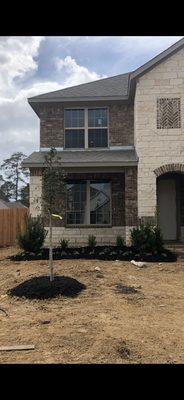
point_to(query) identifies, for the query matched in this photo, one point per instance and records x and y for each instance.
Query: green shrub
(64, 244)
(91, 241)
(120, 241)
(32, 240)
(147, 238)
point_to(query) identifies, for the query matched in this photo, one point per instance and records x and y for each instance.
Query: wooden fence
(12, 222)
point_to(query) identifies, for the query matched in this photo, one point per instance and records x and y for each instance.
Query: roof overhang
(131, 82)
(84, 159)
(77, 101)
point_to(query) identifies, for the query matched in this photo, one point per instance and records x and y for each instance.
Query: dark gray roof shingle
(85, 158)
(116, 86)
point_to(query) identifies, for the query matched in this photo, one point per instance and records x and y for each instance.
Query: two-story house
(121, 141)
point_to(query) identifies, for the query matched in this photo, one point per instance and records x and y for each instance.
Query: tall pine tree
(15, 173)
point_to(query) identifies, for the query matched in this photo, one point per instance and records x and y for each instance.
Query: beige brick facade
(79, 236)
(157, 147)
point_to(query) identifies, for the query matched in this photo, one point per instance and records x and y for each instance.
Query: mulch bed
(109, 253)
(125, 289)
(41, 288)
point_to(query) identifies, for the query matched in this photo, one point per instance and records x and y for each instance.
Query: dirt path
(100, 325)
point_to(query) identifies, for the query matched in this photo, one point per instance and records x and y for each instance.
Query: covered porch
(170, 203)
(101, 194)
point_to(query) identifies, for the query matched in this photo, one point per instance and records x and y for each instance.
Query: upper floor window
(168, 113)
(74, 128)
(97, 127)
(86, 128)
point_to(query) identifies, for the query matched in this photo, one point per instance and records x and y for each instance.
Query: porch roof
(85, 158)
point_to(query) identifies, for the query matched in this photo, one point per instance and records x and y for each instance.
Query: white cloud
(19, 125)
(20, 77)
(16, 60)
(76, 74)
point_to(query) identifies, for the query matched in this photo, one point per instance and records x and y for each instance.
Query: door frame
(176, 178)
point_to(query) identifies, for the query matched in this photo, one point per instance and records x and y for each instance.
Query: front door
(166, 194)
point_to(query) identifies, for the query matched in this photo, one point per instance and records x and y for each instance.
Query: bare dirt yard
(121, 314)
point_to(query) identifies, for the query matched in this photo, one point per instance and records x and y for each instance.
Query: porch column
(147, 194)
(35, 192)
(130, 200)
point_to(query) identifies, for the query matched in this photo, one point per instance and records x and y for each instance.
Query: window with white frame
(86, 128)
(88, 203)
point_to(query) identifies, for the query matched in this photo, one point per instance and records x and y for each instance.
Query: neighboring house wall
(121, 124)
(3, 204)
(157, 147)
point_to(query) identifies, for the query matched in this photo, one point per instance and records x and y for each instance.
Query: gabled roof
(11, 204)
(119, 87)
(85, 158)
(16, 204)
(114, 87)
(3, 204)
(158, 59)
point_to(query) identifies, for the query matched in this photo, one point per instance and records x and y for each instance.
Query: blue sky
(34, 65)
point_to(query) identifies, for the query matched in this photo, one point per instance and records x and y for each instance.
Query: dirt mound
(125, 289)
(41, 288)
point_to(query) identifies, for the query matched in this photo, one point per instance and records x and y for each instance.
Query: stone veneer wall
(124, 208)
(35, 191)
(157, 147)
(121, 125)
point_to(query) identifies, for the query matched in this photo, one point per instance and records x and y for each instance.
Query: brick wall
(123, 194)
(124, 208)
(52, 125)
(117, 197)
(121, 125)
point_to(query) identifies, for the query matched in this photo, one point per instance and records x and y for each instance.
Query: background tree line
(13, 179)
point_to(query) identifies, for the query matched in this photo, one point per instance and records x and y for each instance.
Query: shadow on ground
(41, 288)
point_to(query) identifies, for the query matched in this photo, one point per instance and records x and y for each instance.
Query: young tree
(14, 172)
(53, 188)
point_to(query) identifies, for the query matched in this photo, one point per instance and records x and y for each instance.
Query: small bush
(64, 244)
(147, 239)
(91, 241)
(120, 241)
(32, 240)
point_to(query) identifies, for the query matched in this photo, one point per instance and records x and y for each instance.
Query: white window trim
(86, 128)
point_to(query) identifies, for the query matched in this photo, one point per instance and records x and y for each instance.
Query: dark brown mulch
(125, 289)
(123, 350)
(41, 288)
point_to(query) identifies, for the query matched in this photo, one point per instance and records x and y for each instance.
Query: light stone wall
(35, 195)
(182, 234)
(156, 147)
(79, 236)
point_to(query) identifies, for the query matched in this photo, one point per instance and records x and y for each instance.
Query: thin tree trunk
(50, 249)
(16, 187)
